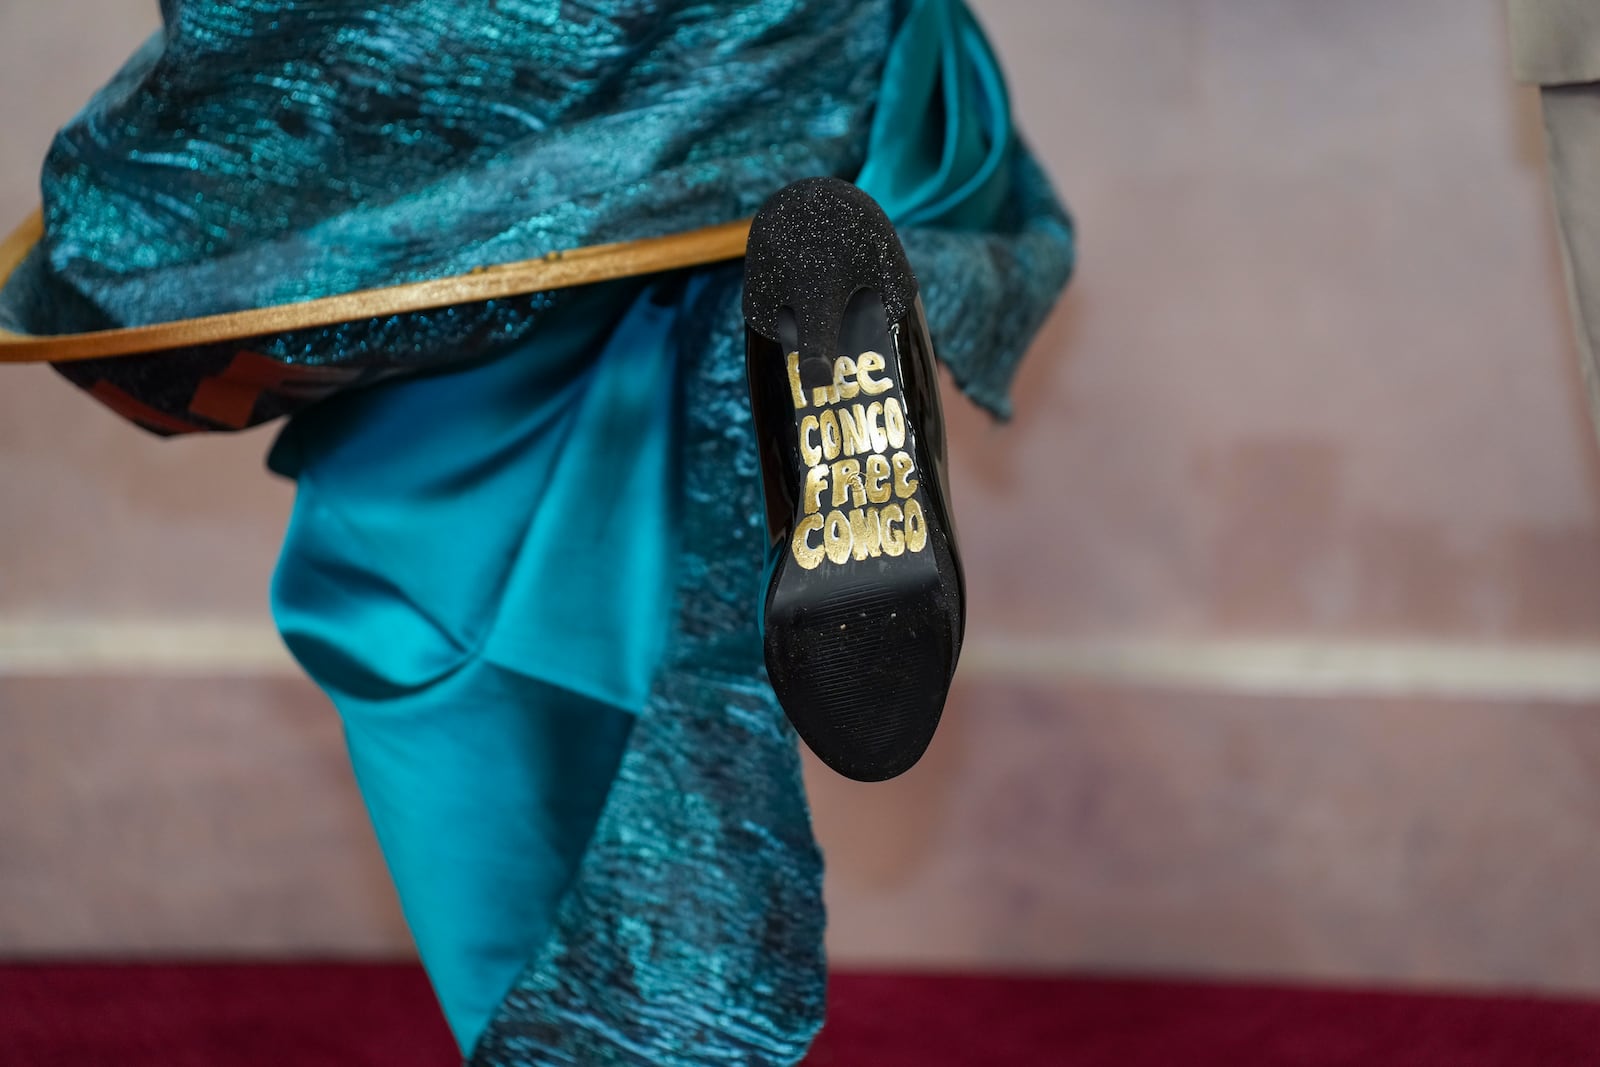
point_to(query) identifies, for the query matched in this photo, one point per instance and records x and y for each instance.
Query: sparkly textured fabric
(693, 933)
(261, 151)
(274, 150)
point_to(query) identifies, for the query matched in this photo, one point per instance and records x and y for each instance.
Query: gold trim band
(558, 270)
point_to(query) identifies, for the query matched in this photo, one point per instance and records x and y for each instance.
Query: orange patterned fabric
(138, 411)
(229, 398)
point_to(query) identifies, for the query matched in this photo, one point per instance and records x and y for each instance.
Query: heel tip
(823, 239)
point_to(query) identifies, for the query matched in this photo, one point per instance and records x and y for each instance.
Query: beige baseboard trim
(1291, 667)
(1311, 668)
(208, 648)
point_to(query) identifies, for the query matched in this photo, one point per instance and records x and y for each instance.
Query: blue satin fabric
(478, 572)
(954, 173)
(528, 575)
(481, 835)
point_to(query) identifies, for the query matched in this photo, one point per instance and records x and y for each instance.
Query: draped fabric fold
(527, 572)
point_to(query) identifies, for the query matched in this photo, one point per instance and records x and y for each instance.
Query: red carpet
(383, 1016)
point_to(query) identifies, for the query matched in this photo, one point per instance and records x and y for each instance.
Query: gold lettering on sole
(816, 485)
(854, 437)
(847, 484)
(894, 423)
(836, 536)
(794, 381)
(809, 452)
(866, 533)
(829, 423)
(916, 528)
(844, 369)
(878, 436)
(869, 364)
(877, 479)
(872, 505)
(894, 540)
(904, 484)
(804, 554)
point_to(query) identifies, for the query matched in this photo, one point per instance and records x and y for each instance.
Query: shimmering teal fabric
(591, 803)
(260, 151)
(479, 573)
(257, 151)
(715, 958)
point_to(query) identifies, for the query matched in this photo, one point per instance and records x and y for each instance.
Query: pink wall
(1286, 580)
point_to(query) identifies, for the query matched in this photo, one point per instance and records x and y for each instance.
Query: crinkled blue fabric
(528, 574)
(260, 151)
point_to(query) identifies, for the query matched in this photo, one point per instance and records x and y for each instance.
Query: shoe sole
(861, 614)
(858, 639)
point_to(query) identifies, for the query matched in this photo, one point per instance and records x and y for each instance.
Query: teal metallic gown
(525, 554)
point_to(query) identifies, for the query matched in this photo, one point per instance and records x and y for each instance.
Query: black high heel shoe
(865, 604)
